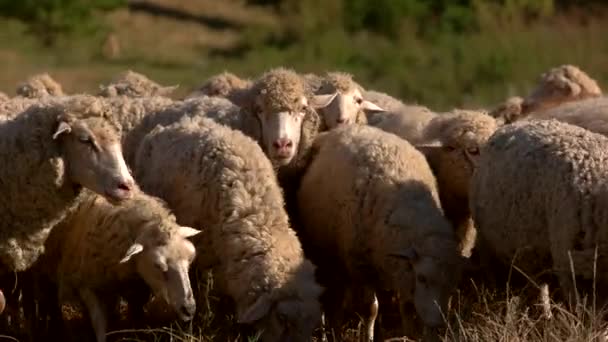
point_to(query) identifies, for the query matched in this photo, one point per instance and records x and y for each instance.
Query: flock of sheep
(306, 195)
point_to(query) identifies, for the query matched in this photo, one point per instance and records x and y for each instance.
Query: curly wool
(36, 193)
(462, 134)
(226, 177)
(133, 84)
(338, 82)
(280, 89)
(509, 111)
(591, 114)
(558, 85)
(101, 233)
(539, 191)
(38, 86)
(222, 85)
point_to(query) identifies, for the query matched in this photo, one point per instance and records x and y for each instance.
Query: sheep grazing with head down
(347, 105)
(562, 84)
(367, 195)
(133, 84)
(220, 179)
(453, 141)
(53, 151)
(101, 251)
(538, 197)
(39, 86)
(226, 85)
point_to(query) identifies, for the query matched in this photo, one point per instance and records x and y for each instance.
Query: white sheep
(366, 195)
(452, 142)
(348, 105)
(49, 153)
(220, 179)
(559, 85)
(591, 114)
(226, 85)
(102, 251)
(133, 84)
(538, 194)
(38, 86)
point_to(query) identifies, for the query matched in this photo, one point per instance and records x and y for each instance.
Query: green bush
(49, 18)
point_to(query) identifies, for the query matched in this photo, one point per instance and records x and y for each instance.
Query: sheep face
(345, 107)
(93, 155)
(163, 264)
(282, 127)
(435, 278)
(284, 320)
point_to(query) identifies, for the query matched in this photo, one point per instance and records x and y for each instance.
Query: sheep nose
(282, 143)
(186, 311)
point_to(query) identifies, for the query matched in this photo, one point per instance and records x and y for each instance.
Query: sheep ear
(133, 250)
(256, 311)
(63, 127)
(187, 232)
(408, 253)
(372, 107)
(322, 101)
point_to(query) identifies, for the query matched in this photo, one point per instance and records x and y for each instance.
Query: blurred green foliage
(48, 18)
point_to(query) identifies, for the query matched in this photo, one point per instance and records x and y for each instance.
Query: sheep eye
(359, 100)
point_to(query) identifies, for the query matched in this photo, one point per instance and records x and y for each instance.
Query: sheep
(220, 179)
(452, 144)
(565, 83)
(366, 195)
(383, 100)
(279, 114)
(101, 251)
(3, 97)
(348, 105)
(591, 114)
(133, 84)
(538, 194)
(226, 85)
(38, 86)
(53, 152)
(408, 122)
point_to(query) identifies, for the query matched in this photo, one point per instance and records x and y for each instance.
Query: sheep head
(162, 257)
(287, 314)
(347, 105)
(280, 101)
(92, 155)
(559, 85)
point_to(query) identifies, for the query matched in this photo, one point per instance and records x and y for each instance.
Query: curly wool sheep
(220, 179)
(133, 84)
(38, 86)
(226, 85)
(347, 105)
(540, 193)
(559, 85)
(102, 251)
(591, 114)
(408, 122)
(53, 152)
(366, 195)
(453, 143)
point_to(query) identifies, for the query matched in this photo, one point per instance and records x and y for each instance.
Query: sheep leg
(369, 313)
(96, 313)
